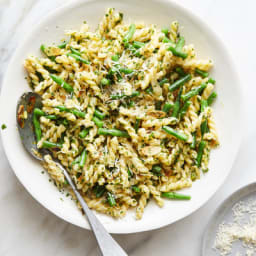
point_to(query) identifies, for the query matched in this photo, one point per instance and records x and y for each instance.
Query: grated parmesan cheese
(242, 228)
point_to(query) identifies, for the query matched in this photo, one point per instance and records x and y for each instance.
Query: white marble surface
(26, 228)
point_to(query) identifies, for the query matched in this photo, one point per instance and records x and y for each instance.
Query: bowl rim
(198, 20)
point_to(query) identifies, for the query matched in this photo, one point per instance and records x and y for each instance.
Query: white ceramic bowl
(227, 109)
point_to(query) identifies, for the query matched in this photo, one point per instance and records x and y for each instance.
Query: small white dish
(227, 109)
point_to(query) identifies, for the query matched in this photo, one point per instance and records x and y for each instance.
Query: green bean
(99, 114)
(76, 161)
(129, 34)
(165, 30)
(180, 71)
(201, 72)
(83, 158)
(78, 58)
(204, 128)
(62, 45)
(211, 98)
(105, 81)
(136, 189)
(99, 191)
(130, 173)
(111, 199)
(176, 106)
(177, 50)
(156, 170)
(167, 40)
(178, 83)
(137, 124)
(126, 71)
(193, 143)
(37, 127)
(73, 111)
(149, 90)
(211, 80)
(138, 45)
(51, 117)
(74, 51)
(180, 44)
(200, 153)
(167, 107)
(49, 144)
(204, 104)
(184, 108)
(193, 92)
(113, 132)
(163, 81)
(43, 49)
(174, 133)
(78, 113)
(115, 57)
(38, 112)
(97, 121)
(120, 96)
(174, 195)
(84, 133)
(62, 83)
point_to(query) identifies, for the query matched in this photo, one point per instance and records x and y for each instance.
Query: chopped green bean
(38, 112)
(136, 189)
(174, 133)
(129, 34)
(83, 158)
(193, 143)
(111, 199)
(138, 45)
(180, 71)
(115, 57)
(78, 58)
(193, 92)
(211, 98)
(165, 30)
(204, 104)
(184, 108)
(113, 132)
(200, 153)
(174, 195)
(99, 191)
(62, 83)
(156, 170)
(178, 83)
(177, 50)
(99, 114)
(211, 80)
(62, 45)
(163, 81)
(176, 106)
(167, 107)
(84, 133)
(201, 72)
(167, 40)
(73, 111)
(204, 128)
(51, 117)
(98, 122)
(49, 144)
(43, 49)
(137, 124)
(126, 71)
(37, 127)
(74, 51)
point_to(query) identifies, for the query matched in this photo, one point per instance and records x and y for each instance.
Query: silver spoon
(27, 102)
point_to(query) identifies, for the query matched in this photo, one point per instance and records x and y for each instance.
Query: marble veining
(26, 228)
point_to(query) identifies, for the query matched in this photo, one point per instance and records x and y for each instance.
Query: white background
(26, 228)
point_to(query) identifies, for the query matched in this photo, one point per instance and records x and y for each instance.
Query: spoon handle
(108, 246)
